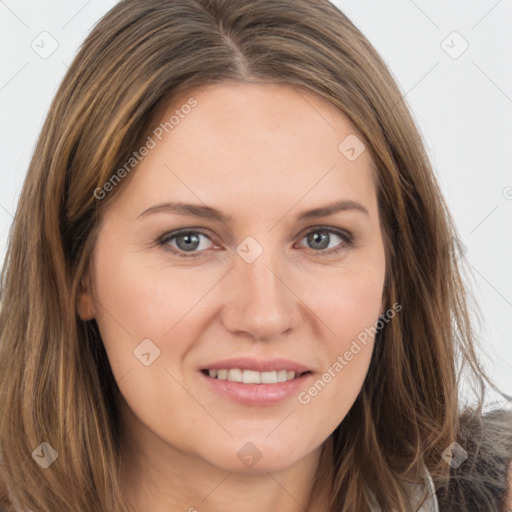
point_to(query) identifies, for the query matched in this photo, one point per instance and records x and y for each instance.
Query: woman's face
(279, 285)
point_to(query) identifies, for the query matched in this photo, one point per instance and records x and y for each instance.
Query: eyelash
(344, 235)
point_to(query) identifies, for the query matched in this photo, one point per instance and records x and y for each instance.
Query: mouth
(246, 376)
(256, 382)
(252, 387)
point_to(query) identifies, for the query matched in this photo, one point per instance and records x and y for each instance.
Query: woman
(231, 281)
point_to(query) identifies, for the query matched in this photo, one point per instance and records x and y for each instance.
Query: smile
(252, 376)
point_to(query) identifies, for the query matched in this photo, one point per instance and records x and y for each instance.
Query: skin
(262, 153)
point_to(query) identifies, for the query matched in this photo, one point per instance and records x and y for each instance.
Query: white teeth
(252, 376)
(235, 375)
(268, 377)
(282, 376)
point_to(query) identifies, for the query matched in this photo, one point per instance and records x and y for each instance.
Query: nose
(258, 301)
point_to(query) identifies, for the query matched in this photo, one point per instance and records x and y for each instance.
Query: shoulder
(482, 479)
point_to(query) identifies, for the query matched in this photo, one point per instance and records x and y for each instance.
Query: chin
(257, 456)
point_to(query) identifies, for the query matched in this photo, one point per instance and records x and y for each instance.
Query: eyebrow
(207, 212)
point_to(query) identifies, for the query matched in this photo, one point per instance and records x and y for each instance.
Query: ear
(84, 303)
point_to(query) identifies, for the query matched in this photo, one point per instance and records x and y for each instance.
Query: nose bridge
(259, 301)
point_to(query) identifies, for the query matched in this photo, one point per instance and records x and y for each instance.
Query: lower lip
(256, 394)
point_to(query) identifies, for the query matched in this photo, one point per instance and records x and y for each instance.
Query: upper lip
(259, 365)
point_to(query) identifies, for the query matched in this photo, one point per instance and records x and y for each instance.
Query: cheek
(350, 309)
(137, 302)
(137, 299)
(356, 309)
(333, 392)
(348, 301)
(147, 321)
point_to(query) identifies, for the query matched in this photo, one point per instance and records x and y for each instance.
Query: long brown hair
(56, 384)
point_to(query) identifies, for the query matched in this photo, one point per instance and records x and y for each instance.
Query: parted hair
(56, 384)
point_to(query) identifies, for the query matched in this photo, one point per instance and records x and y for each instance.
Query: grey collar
(416, 495)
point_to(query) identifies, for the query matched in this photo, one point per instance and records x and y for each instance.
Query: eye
(185, 242)
(191, 243)
(320, 239)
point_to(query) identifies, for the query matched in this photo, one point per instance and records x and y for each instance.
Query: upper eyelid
(174, 234)
(206, 232)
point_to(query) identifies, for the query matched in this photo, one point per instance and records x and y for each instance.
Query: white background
(462, 105)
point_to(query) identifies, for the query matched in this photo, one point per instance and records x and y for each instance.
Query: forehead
(251, 115)
(270, 144)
